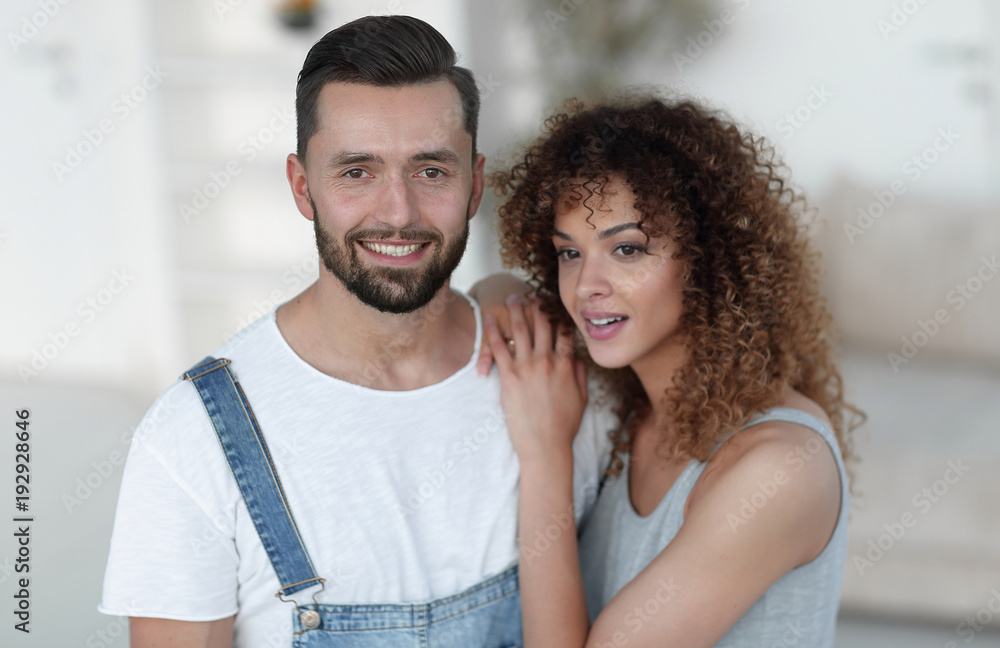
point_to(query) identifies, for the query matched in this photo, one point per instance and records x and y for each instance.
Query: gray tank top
(801, 606)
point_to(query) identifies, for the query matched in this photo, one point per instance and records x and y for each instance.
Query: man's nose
(397, 205)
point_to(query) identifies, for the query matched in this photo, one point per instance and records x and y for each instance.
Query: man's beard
(387, 288)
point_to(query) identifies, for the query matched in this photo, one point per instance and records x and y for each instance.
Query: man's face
(390, 184)
(385, 287)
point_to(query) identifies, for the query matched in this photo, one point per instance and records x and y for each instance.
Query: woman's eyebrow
(611, 231)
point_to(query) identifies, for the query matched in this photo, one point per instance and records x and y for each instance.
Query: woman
(669, 242)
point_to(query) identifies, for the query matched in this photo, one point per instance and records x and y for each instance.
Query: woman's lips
(605, 332)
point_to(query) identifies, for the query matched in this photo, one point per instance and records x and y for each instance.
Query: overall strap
(255, 474)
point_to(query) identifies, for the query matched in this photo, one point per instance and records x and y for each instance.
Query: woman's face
(623, 293)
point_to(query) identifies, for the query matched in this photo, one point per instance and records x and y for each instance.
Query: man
(377, 503)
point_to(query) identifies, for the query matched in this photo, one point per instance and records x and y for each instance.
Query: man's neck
(338, 335)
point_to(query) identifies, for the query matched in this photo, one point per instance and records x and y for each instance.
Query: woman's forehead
(599, 196)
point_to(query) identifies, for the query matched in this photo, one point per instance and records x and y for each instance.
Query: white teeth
(605, 321)
(392, 250)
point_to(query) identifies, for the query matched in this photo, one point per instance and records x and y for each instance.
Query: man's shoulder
(178, 415)
(177, 411)
(261, 336)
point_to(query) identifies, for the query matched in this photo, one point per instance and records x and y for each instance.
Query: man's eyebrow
(611, 231)
(442, 155)
(347, 157)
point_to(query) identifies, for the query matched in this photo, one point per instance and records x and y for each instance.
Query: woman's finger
(496, 341)
(485, 360)
(543, 329)
(564, 342)
(520, 333)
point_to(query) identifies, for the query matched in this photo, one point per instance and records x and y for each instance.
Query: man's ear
(296, 172)
(478, 184)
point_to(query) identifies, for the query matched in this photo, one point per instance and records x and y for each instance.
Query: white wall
(890, 93)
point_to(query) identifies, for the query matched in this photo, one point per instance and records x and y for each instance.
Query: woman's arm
(554, 609)
(544, 392)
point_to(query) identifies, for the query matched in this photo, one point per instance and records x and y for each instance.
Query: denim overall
(487, 615)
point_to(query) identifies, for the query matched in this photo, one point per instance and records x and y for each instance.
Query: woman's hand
(491, 292)
(543, 384)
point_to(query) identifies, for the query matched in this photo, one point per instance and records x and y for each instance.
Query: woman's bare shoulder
(760, 461)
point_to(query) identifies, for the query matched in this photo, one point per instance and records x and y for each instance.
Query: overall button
(310, 619)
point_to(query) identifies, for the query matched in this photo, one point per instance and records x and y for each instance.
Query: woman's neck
(657, 372)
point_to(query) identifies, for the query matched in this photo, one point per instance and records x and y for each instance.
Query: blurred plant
(297, 14)
(591, 48)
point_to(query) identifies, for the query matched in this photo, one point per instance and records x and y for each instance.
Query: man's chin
(399, 299)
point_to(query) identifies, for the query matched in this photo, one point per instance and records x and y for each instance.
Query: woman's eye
(566, 255)
(629, 250)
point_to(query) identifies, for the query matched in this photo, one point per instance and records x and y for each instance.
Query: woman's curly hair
(754, 319)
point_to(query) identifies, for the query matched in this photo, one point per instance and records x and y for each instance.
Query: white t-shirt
(399, 496)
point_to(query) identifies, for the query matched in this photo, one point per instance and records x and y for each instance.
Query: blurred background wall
(144, 218)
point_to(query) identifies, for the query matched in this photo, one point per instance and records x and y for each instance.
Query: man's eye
(355, 173)
(432, 173)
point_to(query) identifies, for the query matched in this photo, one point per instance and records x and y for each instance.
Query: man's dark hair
(384, 51)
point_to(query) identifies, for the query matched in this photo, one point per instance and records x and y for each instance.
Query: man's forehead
(416, 117)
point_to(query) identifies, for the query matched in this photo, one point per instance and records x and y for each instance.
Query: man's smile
(392, 249)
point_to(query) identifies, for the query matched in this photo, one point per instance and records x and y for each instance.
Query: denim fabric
(486, 615)
(254, 471)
